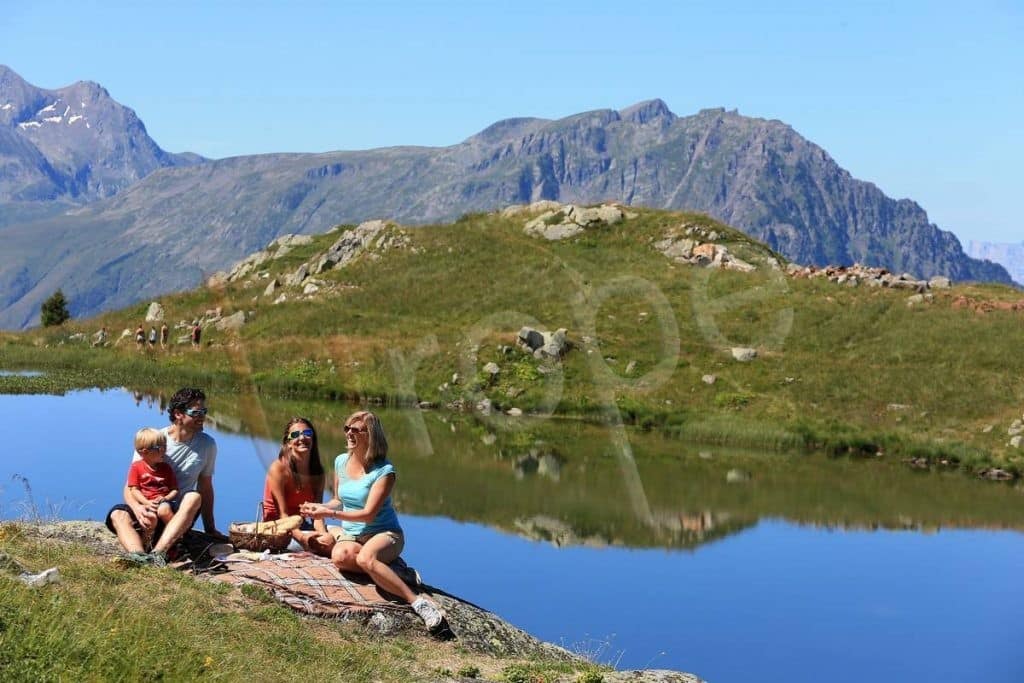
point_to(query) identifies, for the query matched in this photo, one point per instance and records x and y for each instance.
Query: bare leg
(180, 522)
(373, 559)
(344, 556)
(127, 536)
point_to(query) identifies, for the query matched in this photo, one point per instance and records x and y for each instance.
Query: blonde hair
(377, 443)
(147, 437)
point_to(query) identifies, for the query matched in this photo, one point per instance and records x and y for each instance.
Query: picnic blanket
(308, 583)
(305, 582)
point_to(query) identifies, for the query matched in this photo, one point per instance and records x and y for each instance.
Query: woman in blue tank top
(371, 536)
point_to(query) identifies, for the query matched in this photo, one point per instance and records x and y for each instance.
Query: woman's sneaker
(158, 558)
(429, 612)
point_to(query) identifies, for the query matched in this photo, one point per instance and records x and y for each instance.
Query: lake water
(736, 566)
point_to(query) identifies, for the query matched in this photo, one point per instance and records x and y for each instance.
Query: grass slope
(838, 368)
(104, 622)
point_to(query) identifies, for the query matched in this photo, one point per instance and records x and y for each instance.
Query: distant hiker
(164, 334)
(140, 337)
(150, 512)
(100, 338)
(196, 334)
(152, 337)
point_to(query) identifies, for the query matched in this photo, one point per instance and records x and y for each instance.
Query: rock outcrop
(563, 221)
(543, 344)
(371, 238)
(868, 276)
(697, 246)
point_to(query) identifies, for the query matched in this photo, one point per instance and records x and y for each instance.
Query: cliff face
(755, 174)
(182, 222)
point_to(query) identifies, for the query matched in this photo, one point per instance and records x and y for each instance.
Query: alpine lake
(630, 547)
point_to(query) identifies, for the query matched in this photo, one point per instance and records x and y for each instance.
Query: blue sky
(924, 99)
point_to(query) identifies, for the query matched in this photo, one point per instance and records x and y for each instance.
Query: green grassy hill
(842, 368)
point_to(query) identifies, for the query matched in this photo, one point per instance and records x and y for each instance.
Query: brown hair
(316, 468)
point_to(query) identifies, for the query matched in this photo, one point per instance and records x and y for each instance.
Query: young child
(151, 481)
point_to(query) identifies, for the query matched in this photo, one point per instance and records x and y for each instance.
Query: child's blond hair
(147, 437)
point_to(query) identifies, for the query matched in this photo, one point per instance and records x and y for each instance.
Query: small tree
(54, 310)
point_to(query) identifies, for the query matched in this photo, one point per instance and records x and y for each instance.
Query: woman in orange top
(297, 477)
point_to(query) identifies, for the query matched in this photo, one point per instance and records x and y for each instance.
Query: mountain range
(91, 204)
(1008, 255)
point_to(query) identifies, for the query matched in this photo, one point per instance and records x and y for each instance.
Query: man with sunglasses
(191, 453)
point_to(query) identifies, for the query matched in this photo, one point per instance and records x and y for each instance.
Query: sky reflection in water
(772, 601)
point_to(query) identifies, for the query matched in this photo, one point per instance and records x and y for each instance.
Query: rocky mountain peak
(646, 111)
(74, 142)
(507, 129)
(8, 76)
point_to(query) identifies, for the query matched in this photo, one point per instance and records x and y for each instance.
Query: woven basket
(259, 535)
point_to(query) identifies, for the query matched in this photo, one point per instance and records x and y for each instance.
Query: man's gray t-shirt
(189, 459)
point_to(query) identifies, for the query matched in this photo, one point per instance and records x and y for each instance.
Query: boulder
(297, 277)
(535, 207)
(707, 254)
(550, 466)
(231, 322)
(940, 282)
(286, 242)
(530, 339)
(217, 280)
(676, 249)
(743, 354)
(271, 287)
(609, 214)
(350, 245)
(708, 379)
(561, 222)
(155, 313)
(247, 265)
(737, 476)
(544, 344)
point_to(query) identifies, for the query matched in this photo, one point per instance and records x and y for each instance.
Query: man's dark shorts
(159, 529)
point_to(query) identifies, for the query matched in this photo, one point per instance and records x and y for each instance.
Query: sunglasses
(300, 432)
(195, 412)
(355, 430)
(152, 449)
